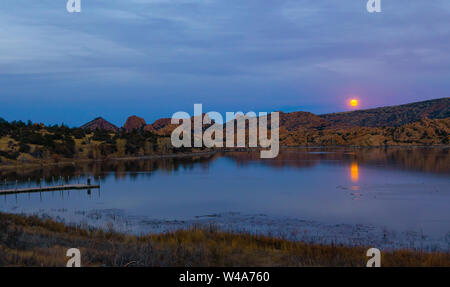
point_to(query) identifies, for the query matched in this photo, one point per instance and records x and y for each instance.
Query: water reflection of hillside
(119, 168)
(432, 160)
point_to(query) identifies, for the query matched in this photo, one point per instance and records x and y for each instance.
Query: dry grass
(4, 143)
(30, 241)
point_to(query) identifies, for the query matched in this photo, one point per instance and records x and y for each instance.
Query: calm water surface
(398, 189)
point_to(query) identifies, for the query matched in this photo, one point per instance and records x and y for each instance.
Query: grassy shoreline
(32, 241)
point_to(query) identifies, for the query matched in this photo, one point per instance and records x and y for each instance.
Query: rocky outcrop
(161, 123)
(100, 124)
(134, 123)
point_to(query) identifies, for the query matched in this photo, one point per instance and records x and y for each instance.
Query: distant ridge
(101, 124)
(392, 115)
(294, 120)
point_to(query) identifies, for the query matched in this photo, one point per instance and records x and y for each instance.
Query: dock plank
(49, 188)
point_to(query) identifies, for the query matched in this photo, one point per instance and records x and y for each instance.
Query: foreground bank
(31, 241)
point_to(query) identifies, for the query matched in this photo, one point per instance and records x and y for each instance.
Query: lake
(384, 197)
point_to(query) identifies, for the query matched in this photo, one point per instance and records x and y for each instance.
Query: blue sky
(155, 57)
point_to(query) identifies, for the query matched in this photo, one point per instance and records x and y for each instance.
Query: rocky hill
(291, 121)
(161, 123)
(391, 116)
(100, 124)
(423, 132)
(134, 123)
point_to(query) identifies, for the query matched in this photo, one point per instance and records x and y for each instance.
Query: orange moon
(354, 102)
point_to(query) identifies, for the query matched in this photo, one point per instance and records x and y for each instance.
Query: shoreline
(33, 241)
(79, 161)
(349, 234)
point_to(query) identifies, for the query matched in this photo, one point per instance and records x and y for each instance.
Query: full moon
(354, 102)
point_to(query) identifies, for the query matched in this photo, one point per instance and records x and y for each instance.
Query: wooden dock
(49, 188)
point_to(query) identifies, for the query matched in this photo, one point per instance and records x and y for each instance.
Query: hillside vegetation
(423, 132)
(32, 143)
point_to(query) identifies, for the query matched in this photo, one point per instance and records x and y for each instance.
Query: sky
(152, 58)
